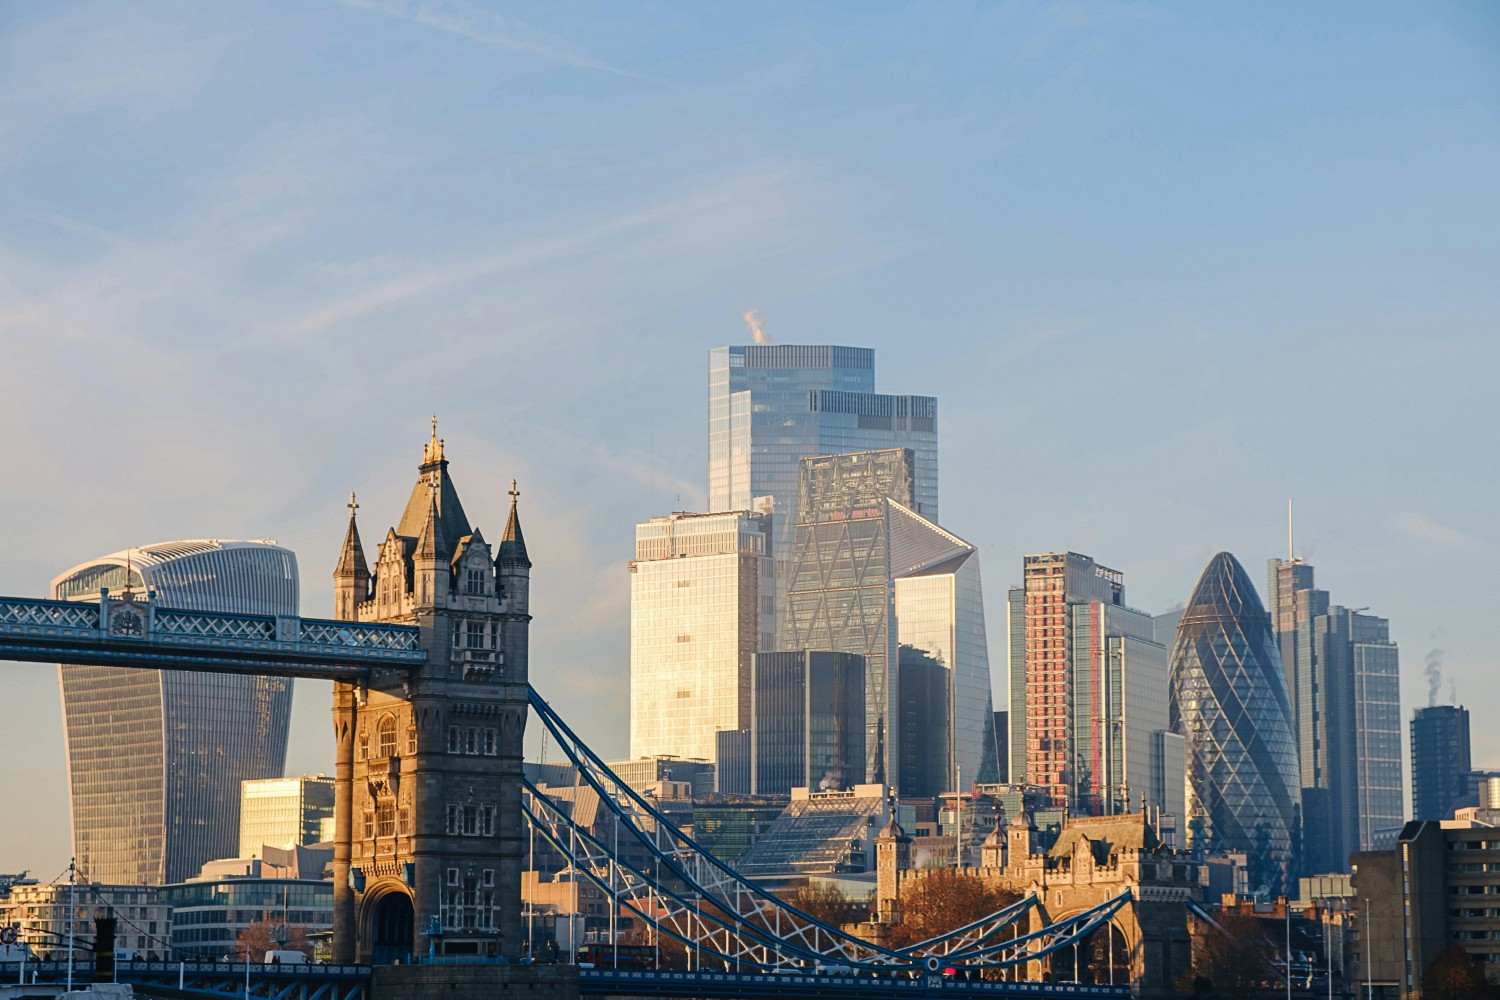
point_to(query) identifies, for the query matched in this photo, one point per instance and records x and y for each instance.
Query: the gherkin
(1229, 702)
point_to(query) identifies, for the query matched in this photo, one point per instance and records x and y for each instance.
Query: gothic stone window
(474, 582)
(387, 736)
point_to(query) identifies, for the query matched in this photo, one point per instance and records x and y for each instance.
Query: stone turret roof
(512, 542)
(452, 523)
(352, 558)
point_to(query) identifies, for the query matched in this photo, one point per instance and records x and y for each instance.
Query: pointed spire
(352, 559)
(429, 544)
(512, 542)
(433, 452)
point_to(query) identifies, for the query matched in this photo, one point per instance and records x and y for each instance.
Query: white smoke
(752, 323)
(1434, 672)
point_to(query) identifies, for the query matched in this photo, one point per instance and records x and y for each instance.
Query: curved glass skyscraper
(1229, 701)
(155, 757)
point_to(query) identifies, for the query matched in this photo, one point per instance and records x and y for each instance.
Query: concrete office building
(702, 598)
(770, 406)
(1440, 762)
(1343, 678)
(283, 813)
(156, 757)
(870, 575)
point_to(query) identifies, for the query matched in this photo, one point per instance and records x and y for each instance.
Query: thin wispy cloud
(1425, 529)
(488, 28)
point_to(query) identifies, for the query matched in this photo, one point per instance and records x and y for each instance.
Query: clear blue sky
(1164, 265)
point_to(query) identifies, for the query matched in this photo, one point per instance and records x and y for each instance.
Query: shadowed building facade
(428, 779)
(156, 757)
(1229, 702)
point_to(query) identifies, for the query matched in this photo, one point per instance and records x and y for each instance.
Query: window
(486, 821)
(411, 741)
(387, 736)
(489, 743)
(385, 819)
(474, 582)
(455, 740)
(452, 831)
(452, 872)
(475, 635)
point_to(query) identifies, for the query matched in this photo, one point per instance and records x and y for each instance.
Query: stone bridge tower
(429, 841)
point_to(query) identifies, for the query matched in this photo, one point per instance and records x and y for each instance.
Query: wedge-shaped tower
(1229, 702)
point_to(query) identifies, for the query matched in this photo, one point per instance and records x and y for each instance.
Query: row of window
(471, 820)
(473, 740)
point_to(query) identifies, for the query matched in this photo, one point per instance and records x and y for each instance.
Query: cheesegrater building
(156, 757)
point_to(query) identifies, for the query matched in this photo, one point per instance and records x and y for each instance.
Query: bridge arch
(388, 922)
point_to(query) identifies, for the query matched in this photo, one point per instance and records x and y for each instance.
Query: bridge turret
(351, 577)
(430, 562)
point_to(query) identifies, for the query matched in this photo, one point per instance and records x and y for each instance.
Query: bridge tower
(428, 842)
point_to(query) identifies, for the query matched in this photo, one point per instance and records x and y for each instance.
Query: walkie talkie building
(155, 757)
(1229, 702)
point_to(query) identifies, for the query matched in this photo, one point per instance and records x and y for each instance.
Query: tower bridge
(428, 652)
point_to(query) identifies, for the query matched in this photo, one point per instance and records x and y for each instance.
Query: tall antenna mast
(1291, 555)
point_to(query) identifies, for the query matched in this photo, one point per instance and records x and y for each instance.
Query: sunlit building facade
(1229, 702)
(771, 405)
(283, 813)
(702, 598)
(156, 757)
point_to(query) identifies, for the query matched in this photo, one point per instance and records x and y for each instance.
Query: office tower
(770, 406)
(808, 721)
(869, 574)
(283, 813)
(1123, 752)
(1342, 676)
(1440, 761)
(156, 757)
(1041, 663)
(701, 588)
(1229, 702)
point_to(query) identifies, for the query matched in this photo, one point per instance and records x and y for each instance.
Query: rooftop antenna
(1290, 552)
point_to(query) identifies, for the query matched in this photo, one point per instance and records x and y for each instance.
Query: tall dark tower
(428, 847)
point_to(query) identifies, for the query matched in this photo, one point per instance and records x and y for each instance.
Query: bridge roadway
(652, 983)
(225, 980)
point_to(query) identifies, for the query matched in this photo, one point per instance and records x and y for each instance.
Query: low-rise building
(143, 919)
(210, 912)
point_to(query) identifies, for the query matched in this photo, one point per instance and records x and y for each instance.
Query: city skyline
(1209, 273)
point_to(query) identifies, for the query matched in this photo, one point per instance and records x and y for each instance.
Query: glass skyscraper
(1343, 679)
(156, 757)
(701, 596)
(1229, 702)
(1440, 761)
(870, 575)
(283, 813)
(771, 405)
(808, 721)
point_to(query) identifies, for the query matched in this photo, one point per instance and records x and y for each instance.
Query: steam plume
(752, 323)
(1434, 672)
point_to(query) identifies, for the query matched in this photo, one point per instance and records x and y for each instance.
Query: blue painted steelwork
(604, 982)
(136, 633)
(225, 979)
(703, 903)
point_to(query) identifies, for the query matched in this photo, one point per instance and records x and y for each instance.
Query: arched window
(387, 736)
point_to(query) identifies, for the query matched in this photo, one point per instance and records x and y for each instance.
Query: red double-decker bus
(623, 956)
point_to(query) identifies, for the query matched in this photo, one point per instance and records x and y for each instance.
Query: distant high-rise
(156, 757)
(808, 724)
(283, 813)
(771, 405)
(1041, 663)
(701, 593)
(1088, 691)
(1229, 702)
(1440, 761)
(869, 576)
(1343, 679)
